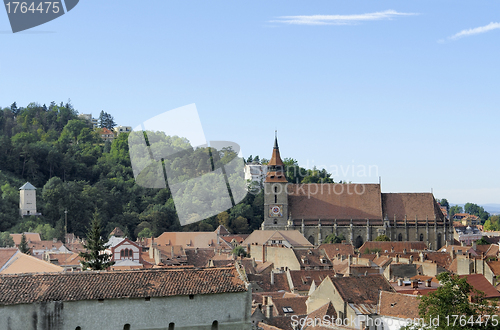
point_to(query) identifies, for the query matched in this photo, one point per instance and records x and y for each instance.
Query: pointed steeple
(276, 168)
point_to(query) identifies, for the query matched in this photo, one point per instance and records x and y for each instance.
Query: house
(30, 237)
(303, 281)
(124, 252)
(122, 129)
(335, 250)
(69, 261)
(359, 212)
(354, 298)
(13, 261)
(216, 298)
(287, 238)
(396, 309)
(467, 235)
(480, 283)
(107, 135)
(189, 240)
(88, 117)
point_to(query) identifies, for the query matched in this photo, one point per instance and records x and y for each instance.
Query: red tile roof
(335, 201)
(74, 286)
(398, 305)
(494, 266)
(411, 205)
(297, 304)
(396, 246)
(320, 313)
(362, 289)
(332, 250)
(479, 282)
(6, 254)
(302, 279)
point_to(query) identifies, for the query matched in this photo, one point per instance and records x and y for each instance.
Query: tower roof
(27, 186)
(276, 168)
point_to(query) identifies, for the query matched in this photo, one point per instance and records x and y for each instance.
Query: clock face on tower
(275, 210)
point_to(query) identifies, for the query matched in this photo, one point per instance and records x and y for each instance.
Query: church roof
(275, 166)
(411, 205)
(335, 201)
(27, 186)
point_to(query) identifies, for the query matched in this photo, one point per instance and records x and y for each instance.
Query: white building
(122, 129)
(27, 200)
(255, 172)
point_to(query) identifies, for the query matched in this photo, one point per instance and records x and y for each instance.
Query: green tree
(240, 225)
(94, 257)
(334, 239)
(475, 209)
(23, 245)
(239, 251)
(145, 233)
(482, 241)
(444, 202)
(455, 209)
(6, 240)
(493, 223)
(382, 238)
(455, 296)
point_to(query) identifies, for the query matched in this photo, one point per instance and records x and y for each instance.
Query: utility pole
(65, 226)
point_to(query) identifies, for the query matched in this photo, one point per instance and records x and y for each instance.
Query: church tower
(27, 200)
(275, 193)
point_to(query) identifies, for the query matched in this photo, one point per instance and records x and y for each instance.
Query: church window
(122, 254)
(126, 327)
(400, 237)
(215, 325)
(275, 199)
(421, 237)
(171, 326)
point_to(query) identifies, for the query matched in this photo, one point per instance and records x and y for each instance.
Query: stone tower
(27, 200)
(275, 193)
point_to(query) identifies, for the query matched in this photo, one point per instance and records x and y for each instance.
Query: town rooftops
(75, 286)
(30, 237)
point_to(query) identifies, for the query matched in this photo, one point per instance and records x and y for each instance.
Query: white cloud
(339, 19)
(470, 32)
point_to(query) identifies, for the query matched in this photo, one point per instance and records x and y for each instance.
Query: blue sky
(410, 88)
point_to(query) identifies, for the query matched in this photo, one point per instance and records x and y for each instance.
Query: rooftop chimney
(428, 283)
(272, 277)
(269, 311)
(400, 282)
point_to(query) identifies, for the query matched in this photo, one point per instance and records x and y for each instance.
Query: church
(359, 212)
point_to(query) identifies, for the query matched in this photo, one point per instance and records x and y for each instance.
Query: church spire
(276, 168)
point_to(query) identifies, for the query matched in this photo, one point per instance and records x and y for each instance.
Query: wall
(281, 257)
(231, 310)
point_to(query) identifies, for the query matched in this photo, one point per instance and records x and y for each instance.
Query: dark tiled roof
(479, 282)
(494, 266)
(297, 304)
(411, 205)
(320, 313)
(27, 289)
(335, 201)
(361, 290)
(398, 305)
(302, 279)
(199, 257)
(442, 259)
(332, 250)
(264, 282)
(397, 246)
(312, 258)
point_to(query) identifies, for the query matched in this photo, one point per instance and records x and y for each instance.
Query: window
(78, 328)
(400, 237)
(287, 310)
(126, 327)
(276, 198)
(171, 326)
(421, 237)
(122, 254)
(191, 296)
(215, 325)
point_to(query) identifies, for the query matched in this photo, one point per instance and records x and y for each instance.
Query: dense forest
(76, 172)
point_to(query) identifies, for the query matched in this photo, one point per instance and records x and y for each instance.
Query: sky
(404, 91)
